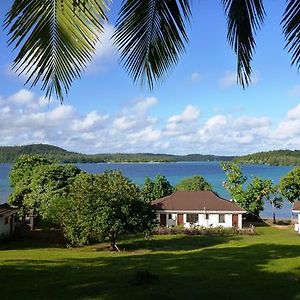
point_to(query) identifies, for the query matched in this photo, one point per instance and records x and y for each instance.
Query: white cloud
(23, 97)
(295, 91)
(124, 123)
(89, 122)
(190, 113)
(25, 119)
(289, 127)
(195, 77)
(106, 52)
(229, 79)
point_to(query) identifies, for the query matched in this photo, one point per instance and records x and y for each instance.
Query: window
(170, 216)
(221, 218)
(6, 221)
(192, 218)
(206, 216)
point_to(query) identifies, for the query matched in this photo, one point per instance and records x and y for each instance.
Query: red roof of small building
(6, 210)
(296, 206)
(195, 201)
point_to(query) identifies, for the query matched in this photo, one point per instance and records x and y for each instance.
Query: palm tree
(56, 39)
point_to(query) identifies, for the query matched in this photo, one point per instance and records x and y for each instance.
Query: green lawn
(266, 266)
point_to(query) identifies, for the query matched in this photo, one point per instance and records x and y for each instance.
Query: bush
(200, 230)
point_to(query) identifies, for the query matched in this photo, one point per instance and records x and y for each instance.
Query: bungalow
(203, 208)
(296, 209)
(7, 220)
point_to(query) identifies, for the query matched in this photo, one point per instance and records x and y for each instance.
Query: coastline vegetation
(274, 158)
(9, 154)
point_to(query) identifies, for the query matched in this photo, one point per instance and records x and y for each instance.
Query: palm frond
(151, 35)
(291, 30)
(244, 19)
(55, 38)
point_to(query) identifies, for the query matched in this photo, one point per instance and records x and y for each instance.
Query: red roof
(195, 201)
(296, 206)
(6, 210)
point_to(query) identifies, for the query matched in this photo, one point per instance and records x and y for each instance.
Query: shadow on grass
(26, 244)
(210, 273)
(176, 242)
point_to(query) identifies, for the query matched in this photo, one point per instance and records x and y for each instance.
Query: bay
(174, 172)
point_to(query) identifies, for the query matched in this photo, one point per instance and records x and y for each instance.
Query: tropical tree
(21, 177)
(235, 180)
(56, 39)
(161, 187)
(290, 185)
(157, 188)
(101, 207)
(250, 196)
(147, 190)
(49, 184)
(275, 199)
(193, 183)
(37, 183)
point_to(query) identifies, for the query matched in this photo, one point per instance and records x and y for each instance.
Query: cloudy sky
(197, 108)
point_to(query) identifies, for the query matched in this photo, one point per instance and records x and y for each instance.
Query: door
(179, 219)
(162, 219)
(235, 220)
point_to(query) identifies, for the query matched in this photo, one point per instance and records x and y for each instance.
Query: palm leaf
(244, 18)
(291, 30)
(56, 39)
(150, 35)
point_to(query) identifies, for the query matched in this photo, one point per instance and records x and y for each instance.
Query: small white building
(7, 220)
(296, 209)
(202, 208)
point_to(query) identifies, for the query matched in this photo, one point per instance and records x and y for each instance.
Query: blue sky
(197, 108)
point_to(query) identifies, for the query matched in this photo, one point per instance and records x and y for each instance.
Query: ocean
(174, 172)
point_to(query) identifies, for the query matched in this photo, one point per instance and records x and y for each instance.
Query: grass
(265, 266)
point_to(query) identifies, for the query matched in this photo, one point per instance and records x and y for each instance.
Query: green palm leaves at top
(150, 35)
(56, 39)
(244, 18)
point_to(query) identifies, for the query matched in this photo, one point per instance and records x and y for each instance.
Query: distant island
(274, 158)
(9, 154)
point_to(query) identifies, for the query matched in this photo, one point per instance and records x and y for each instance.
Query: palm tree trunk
(274, 217)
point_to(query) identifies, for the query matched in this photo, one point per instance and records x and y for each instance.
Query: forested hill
(276, 158)
(11, 153)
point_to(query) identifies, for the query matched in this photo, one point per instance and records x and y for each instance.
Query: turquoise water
(175, 172)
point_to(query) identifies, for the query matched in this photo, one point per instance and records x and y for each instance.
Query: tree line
(9, 154)
(274, 158)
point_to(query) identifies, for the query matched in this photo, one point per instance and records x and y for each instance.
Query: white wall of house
(204, 219)
(209, 220)
(4, 228)
(297, 225)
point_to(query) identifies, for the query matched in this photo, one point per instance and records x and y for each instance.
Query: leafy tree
(275, 199)
(193, 183)
(50, 183)
(150, 36)
(290, 185)
(161, 187)
(251, 197)
(235, 180)
(255, 194)
(37, 182)
(103, 206)
(21, 177)
(147, 190)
